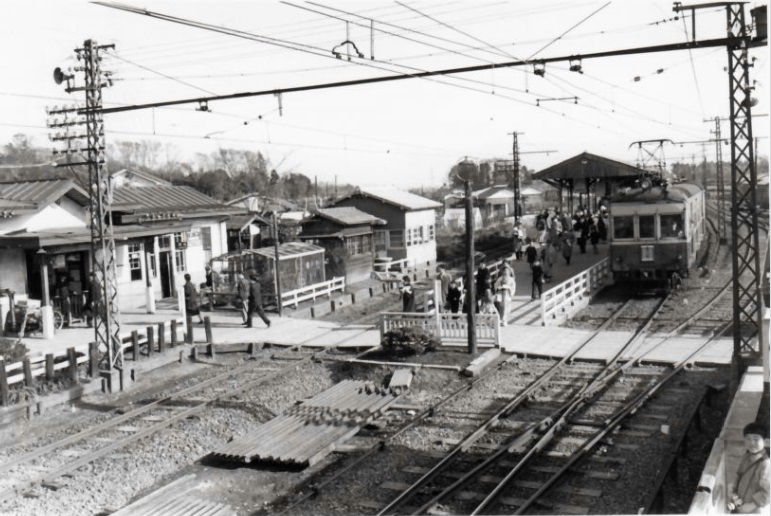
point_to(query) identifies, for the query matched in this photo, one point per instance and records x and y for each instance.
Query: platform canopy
(586, 169)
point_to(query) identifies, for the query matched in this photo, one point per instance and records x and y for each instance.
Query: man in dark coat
(255, 302)
(483, 275)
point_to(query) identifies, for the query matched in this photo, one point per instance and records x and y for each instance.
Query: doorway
(167, 282)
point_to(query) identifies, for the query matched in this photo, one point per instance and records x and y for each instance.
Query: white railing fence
(325, 288)
(562, 301)
(449, 328)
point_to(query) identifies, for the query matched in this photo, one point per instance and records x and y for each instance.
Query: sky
(408, 132)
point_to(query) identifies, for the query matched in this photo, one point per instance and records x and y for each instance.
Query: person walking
(242, 290)
(537, 279)
(748, 493)
(444, 279)
(505, 289)
(255, 301)
(407, 295)
(192, 306)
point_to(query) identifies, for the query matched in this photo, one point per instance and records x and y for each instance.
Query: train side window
(672, 226)
(623, 227)
(647, 226)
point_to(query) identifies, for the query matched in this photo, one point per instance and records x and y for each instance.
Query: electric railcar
(656, 233)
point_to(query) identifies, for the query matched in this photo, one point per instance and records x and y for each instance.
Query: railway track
(48, 466)
(560, 405)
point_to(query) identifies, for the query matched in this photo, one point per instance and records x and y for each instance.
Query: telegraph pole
(515, 179)
(106, 317)
(720, 183)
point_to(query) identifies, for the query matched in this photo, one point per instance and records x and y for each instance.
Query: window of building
(409, 236)
(420, 236)
(180, 243)
(397, 238)
(647, 226)
(431, 233)
(381, 240)
(206, 238)
(623, 227)
(646, 253)
(135, 261)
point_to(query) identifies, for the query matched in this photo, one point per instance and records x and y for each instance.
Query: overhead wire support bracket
(538, 101)
(338, 55)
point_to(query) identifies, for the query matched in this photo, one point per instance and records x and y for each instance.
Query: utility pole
(516, 183)
(277, 268)
(107, 317)
(515, 177)
(470, 286)
(720, 183)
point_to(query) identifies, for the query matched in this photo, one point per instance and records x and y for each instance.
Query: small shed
(346, 235)
(300, 265)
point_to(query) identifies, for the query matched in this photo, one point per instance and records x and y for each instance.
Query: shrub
(12, 350)
(411, 340)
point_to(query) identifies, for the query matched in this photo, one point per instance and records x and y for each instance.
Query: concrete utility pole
(515, 177)
(106, 317)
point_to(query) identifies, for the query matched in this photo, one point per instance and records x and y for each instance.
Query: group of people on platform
(248, 295)
(491, 297)
(556, 234)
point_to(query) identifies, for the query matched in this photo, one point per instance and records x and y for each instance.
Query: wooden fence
(565, 299)
(449, 328)
(325, 288)
(29, 371)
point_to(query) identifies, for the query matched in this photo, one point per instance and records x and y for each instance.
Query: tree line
(223, 175)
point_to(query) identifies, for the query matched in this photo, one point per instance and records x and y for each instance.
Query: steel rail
(148, 431)
(561, 414)
(629, 409)
(466, 443)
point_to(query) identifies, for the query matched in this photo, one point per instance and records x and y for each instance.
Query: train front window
(671, 226)
(623, 227)
(647, 226)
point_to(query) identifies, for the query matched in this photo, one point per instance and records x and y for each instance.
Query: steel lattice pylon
(748, 337)
(107, 315)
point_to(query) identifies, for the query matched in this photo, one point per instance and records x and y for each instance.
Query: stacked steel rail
(306, 433)
(142, 422)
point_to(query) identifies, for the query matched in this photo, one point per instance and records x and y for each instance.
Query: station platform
(524, 335)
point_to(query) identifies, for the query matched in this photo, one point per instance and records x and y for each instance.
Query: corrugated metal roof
(401, 198)
(38, 194)
(345, 232)
(182, 199)
(586, 165)
(348, 216)
(287, 250)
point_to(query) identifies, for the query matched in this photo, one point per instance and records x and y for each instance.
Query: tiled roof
(401, 198)
(348, 216)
